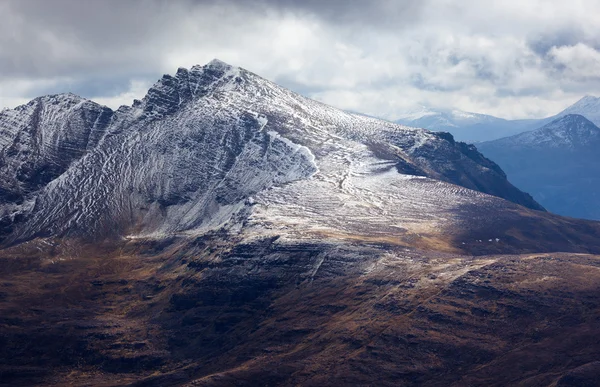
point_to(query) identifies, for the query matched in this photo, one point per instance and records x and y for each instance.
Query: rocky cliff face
(195, 151)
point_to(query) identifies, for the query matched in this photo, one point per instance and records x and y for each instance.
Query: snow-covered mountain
(216, 144)
(558, 164)
(475, 127)
(566, 132)
(445, 119)
(588, 106)
(40, 140)
(465, 126)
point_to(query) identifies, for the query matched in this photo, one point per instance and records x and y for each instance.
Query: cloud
(509, 58)
(580, 60)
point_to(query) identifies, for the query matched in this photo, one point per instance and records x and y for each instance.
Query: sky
(508, 58)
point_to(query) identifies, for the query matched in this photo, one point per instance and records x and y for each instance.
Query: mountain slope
(212, 311)
(588, 106)
(40, 140)
(557, 163)
(202, 143)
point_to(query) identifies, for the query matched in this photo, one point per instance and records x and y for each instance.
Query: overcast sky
(510, 58)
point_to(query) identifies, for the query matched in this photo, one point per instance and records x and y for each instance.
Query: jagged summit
(166, 95)
(213, 64)
(217, 63)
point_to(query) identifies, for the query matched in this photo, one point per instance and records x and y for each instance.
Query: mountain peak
(171, 91)
(584, 105)
(568, 121)
(573, 128)
(217, 63)
(57, 102)
(570, 131)
(588, 106)
(588, 98)
(570, 117)
(69, 98)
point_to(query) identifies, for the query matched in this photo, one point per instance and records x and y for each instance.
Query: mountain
(465, 126)
(40, 140)
(474, 127)
(446, 119)
(226, 231)
(588, 106)
(198, 146)
(558, 164)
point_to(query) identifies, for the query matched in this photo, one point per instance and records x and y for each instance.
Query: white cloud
(580, 60)
(509, 58)
(137, 90)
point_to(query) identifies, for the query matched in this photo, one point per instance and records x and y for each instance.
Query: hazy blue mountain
(466, 126)
(558, 164)
(475, 127)
(588, 106)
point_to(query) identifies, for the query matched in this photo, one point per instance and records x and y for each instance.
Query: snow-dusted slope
(217, 145)
(558, 163)
(571, 131)
(588, 106)
(39, 141)
(475, 127)
(441, 120)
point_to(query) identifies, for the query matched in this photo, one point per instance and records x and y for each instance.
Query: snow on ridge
(567, 131)
(296, 148)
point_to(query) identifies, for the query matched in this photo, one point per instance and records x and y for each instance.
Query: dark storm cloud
(102, 86)
(360, 12)
(541, 45)
(64, 37)
(91, 40)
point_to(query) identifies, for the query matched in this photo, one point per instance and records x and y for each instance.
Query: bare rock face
(198, 148)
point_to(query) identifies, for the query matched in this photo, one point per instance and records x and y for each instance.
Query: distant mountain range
(474, 127)
(559, 163)
(555, 159)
